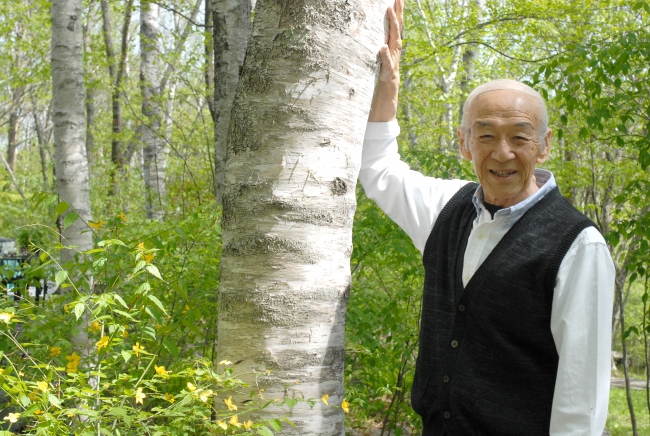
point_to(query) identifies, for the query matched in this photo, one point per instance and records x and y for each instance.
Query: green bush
(128, 342)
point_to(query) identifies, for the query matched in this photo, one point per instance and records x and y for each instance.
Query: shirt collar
(545, 181)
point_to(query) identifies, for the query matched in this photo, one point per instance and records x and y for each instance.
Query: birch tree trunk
(294, 152)
(71, 163)
(116, 69)
(12, 131)
(231, 26)
(154, 146)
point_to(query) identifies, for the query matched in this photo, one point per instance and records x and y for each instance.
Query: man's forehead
(508, 104)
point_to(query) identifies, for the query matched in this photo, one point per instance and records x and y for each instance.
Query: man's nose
(502, 151)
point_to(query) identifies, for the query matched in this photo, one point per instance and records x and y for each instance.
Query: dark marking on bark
(339, 186)
(255, 244)
(71, 24)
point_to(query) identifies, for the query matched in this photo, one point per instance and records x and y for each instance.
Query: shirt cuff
(383, 130)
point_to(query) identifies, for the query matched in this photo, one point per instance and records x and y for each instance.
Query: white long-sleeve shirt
(581, 314)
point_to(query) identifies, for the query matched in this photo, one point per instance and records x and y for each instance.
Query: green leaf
(70, 218)
(276, 424)
(120, 300)
(54, 400)
(126, 355)
(171, 347)
(79, 310)
(264, 431)
(629, 331)
(118, 411)
(157, 303)
(60, 277)
(124, 314)
(109, 242)
(153, 270)
(62, 207)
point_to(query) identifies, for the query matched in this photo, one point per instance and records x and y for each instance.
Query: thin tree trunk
(294, 152)
(116, 72)
(12, 132)
(231, 27)
(90, 94)
(40, 136)
(628, 391)
(154, 145)
(69, 120)
(209, 57)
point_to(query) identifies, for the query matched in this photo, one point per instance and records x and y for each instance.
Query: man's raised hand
(384, 103)
(391, 51)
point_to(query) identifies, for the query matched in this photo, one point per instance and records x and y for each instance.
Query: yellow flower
(6, 317)
(139, 396)
(225, 362)
(12, 417)
(345, 406)
(234, 421)
(43, 386)
(95, 327)
(247, 424)
(122, 217)
(55, 351)
(324, 398)
(73, 362)
(103, 342)
(1, 371)
(170, 398)
(187, 309)
(205, 395)
(149, 257)
(141, 246)
(229, 403)
(137, 349)
(125, 332)
(96, 224)
(160, 370)
(191, 387)
(38, 412)
(220, 423)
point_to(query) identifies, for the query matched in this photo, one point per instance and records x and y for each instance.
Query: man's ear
(543, 155)
(464, 146)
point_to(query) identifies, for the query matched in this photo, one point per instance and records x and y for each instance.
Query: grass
(618, 419)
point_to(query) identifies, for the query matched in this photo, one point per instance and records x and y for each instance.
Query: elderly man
(516, 311)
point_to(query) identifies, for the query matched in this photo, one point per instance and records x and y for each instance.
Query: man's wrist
(384, 102)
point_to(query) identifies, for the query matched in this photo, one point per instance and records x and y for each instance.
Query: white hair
(507, 84)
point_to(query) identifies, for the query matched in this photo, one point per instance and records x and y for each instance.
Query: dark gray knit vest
(487, 362)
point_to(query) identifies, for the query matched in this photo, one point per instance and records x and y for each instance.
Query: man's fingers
(393, 27)
(399, 11)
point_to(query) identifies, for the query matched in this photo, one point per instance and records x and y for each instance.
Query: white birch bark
(71, 163)
(154, 146)
(231, 26)
(69, 120)
(294, 152)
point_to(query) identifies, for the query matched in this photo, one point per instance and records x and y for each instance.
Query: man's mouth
(503, 173)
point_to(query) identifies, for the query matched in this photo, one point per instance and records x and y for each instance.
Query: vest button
(445, 379)
(446, 415)
(461, 307)
(454, 344)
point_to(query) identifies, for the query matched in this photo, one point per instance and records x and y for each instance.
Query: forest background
(156, 179)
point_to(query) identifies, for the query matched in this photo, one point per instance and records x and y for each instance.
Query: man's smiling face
(504, 144)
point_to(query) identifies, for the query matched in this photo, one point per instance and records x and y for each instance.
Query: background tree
(230, 29)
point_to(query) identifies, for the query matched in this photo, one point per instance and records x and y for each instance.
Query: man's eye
(486, 137)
